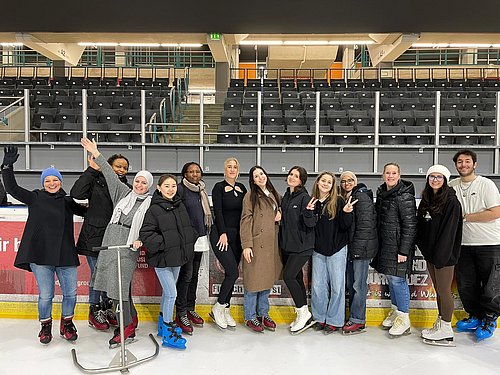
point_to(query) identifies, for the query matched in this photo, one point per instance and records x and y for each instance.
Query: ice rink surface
(240, 351)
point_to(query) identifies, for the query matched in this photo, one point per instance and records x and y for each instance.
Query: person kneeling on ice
(439, 235)
(48, 244)
(169, 239)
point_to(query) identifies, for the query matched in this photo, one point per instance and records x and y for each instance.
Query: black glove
(10, 155)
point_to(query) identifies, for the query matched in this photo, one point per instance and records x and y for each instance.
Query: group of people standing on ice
(456, 227)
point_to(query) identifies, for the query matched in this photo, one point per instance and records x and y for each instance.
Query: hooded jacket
(397, 228)
(167, 233)
(296, 233)
(363, 238)
(439, 235)
(92, 185)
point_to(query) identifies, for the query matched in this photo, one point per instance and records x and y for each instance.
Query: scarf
(127, 203)
(205, 204)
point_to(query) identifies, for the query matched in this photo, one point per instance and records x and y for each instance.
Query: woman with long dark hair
(259, 238)
(296, 241)
(439, 236)
(227, 199)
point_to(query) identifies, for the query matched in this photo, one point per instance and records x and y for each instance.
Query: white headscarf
(127, 203)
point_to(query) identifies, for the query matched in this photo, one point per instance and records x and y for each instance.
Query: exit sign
(215, 36)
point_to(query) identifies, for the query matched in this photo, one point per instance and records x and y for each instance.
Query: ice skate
(486, 328)
(304, 320)
(67, 329)
(330, 329)
(435, 326)
(97, 318)
(254, 325)
(218, 315)
(469, 324)
(195, 318)
(231, 323)
(45, 334)
(439, 335)
(267, 323)
(107, 307)
(401, 326)
(172, 339)
(351, 328)
(184, 323)
(160, 325)
(128, 332)
(389, 320)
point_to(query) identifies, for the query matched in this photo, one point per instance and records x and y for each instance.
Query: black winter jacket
(48, 238)
(363, 238)
(167, 233)
(92, 185)
(296, 233)
(3, 195)
(397, 228)
(439, 236)
(331, 235)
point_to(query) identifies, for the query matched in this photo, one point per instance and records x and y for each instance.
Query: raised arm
(21, 194)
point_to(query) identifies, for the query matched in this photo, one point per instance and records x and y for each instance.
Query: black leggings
(187, 283)
(294, 277)
(229, 259)
(442, 279)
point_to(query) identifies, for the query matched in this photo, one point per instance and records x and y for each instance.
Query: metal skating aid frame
(124, 359)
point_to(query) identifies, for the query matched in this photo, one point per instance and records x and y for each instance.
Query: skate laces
(195, 314)
(46, 329)
(184, 320)
(100, 316)
(398, 322)
(488, 324)
(254, 321)
(69, 326)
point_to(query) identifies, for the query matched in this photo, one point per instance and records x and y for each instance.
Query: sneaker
(97, 318)
(229, 318)
(391, 316)
(351, 327)
(469, 324)
(329, 329)
(267, 322)
(401, 325)
(45, 333)
(254, 325)
(487, 327)
(195, 318)
(67, 329)
(128, 332)
(184, 323)
(319, 326)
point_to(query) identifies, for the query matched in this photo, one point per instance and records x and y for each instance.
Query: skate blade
(405, 333)
(174, 347)
(350, 333)
(218, 326)
(308, 325)
(386, 328)
(130, 340)
(443, 342)
(231, 328)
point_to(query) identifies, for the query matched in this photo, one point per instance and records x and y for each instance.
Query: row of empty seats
(324, 84)
(81, 82)
(360, 134)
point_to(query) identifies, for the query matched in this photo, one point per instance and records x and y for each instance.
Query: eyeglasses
(436, 178)
(348, 181)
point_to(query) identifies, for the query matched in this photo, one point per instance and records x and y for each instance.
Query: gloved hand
(10, 155)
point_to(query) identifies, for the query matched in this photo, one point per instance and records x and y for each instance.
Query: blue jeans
(328, 287)
(168, 279)
(95, 296)
(400, 292)
(256, 304)
(44, 276)
(357, 285)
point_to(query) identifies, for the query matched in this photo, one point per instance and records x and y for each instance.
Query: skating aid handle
(99, 248)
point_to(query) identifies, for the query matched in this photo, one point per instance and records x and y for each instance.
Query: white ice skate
(231, 323)
(218, 315)
(304, 320)
(389, 320)
(434, 328)
(401, 326)
(441, 336)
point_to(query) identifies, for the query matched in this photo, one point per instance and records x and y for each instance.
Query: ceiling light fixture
(306, 42)
(11, 44)
(350, 42)
(139, 44)
(99, 44)
(261, 42)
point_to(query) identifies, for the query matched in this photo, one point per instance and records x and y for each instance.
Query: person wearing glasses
(397, 228)
(439, 235)
(362, 247)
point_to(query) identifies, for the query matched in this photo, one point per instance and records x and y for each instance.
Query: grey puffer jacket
(397, 228)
